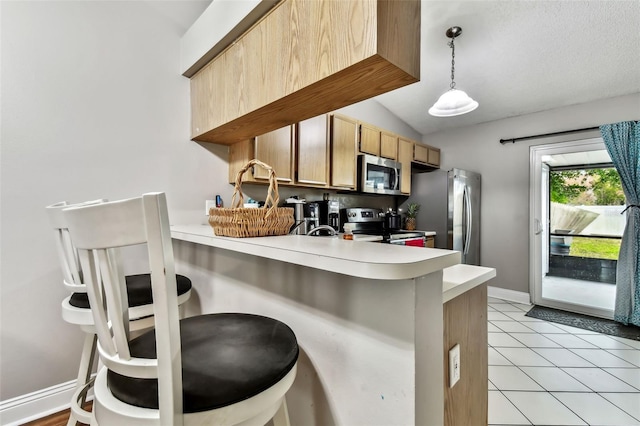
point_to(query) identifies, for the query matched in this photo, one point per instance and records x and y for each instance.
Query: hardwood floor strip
(57, 419)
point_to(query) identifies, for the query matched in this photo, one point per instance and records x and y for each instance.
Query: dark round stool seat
(226, 358)
(138, 291)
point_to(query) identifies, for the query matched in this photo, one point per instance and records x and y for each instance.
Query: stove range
(371, 221)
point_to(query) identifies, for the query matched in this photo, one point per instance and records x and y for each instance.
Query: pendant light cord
(453, 63)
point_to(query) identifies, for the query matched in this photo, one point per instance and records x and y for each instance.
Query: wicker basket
(251, 222)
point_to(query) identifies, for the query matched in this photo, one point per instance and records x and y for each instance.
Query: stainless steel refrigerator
(450, 206)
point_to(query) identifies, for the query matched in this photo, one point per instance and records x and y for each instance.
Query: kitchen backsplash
(259, 193)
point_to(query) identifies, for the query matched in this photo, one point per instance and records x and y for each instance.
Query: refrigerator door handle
(469, 219)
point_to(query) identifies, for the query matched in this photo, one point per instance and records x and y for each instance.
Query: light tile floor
(543, 373)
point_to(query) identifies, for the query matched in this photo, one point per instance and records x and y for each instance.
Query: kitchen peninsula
(369, 319)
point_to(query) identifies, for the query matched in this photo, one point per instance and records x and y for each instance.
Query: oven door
(378, 175)
(413, 242)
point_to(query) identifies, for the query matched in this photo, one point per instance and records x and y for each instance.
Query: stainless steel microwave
(379, 175)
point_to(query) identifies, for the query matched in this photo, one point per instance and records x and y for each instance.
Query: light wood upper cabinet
(322, 152)
(303, 59)
(405, 156)
(343, 151)
(434, 157)
(388, 145)
(420, 153)
(427, 155)
(378, 142)
(207, 111)
(369, 140)
(276, 148)
(239, 155)
(312, 166)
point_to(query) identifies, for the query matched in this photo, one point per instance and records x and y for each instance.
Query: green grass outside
(599, 248)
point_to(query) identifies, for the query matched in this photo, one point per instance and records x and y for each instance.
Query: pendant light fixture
(453, 102)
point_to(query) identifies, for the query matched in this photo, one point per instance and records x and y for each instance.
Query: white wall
(505, 174)
(373, 112)
(93, 105)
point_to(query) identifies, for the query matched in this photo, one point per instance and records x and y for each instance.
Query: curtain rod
(546, 135)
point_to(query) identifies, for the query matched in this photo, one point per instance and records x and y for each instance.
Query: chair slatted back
(97, 231)
(67, 253)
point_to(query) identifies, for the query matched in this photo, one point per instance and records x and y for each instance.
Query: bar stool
(76, 309)
(216, 369)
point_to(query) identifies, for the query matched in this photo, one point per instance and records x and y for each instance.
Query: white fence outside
(608, 222)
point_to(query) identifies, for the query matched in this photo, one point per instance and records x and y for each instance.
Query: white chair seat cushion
(226, 358)
(138, 291)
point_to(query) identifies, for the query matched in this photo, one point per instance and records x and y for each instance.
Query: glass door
(575, 231)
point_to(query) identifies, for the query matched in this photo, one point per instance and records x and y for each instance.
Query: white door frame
(539, 224)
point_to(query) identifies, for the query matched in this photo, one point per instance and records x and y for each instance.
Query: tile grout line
(516, 407)
(554, 365)
(617, 406)
(549, 392)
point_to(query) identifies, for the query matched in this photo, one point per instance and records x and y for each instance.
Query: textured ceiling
(520, 57)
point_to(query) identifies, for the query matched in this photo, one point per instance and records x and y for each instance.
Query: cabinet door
(369, 140)
(434, 156)
(421, 153)
(208, 109)
(276, 149)
(239, 155)
(343, 152)
(405, 155)
(388, 145)
(313, 152)
(430, 242)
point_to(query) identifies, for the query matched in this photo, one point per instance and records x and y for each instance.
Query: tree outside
(591, 187)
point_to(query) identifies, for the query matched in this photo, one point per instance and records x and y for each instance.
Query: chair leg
(86, 361)
(78, 413)
(72, 420)
(282, 415)
(84, 370)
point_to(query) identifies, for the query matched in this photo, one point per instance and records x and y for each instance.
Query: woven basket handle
(272, 195)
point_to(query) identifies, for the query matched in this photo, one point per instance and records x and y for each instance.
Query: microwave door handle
(396, 185)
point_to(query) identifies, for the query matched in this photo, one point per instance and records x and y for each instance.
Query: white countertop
(461, 278)
(426, 233)
(348, 257)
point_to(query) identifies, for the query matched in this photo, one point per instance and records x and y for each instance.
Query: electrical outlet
(207, 205)
(454, 365)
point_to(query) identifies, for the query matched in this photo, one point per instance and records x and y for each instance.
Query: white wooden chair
(76, 310)
(216, 369)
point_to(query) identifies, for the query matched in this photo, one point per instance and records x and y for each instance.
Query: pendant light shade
(453, 102)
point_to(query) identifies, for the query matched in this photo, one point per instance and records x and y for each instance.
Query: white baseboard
(510, 295)
(35, 405)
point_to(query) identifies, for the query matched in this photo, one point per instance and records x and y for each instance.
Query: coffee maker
(330, 213)
(325, 212)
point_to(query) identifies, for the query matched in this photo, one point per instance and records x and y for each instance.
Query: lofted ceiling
(520, 57)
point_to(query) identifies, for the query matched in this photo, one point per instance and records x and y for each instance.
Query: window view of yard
(586, 204)
(599, 248)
